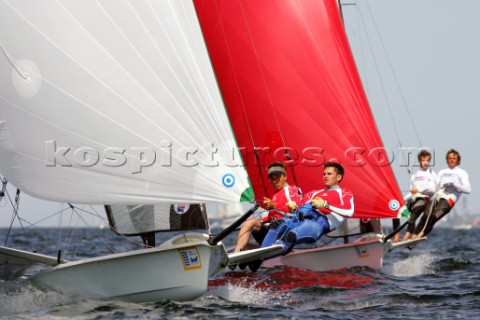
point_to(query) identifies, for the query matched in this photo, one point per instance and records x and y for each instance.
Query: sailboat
(140, 104)
(292, 89)
(115, 103)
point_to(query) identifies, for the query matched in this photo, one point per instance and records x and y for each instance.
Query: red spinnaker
(290, 85)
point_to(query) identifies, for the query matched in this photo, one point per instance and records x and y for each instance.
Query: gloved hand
(307, 212)
(303, 210)
(292, 205)
(276, 222)
(319, 203)
(448, 185)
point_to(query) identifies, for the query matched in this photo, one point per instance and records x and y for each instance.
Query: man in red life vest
(323, 211)
(285, 196)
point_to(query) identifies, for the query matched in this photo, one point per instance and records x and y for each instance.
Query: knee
(249, 224)
(291, 236)
(256, 227)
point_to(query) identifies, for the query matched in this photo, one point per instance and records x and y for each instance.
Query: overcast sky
(420, 64)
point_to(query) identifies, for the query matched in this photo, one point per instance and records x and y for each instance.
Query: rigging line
(429, 216)
(394, 75)
(75, 210)
(118, 233)
(13, 64)
(46, 218)
(96, 214)
(389, 108)
(69, 238)
(378, 73)
(362, 49)
(16, 215)
(399, 144)
(397, 83)
(59, 227)
(93, 213)
(288, 155)
(255, 151)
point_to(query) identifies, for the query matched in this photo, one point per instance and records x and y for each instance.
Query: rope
(16, 215)
(394, 76)
(13, 64)
(429, 215)
(396, 81)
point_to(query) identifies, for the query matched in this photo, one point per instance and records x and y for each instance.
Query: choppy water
(437, 280)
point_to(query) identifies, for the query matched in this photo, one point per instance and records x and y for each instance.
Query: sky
(419, 63)
(420, 66)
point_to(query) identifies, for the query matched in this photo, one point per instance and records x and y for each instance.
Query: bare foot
(407, 236)
(396, 238)
(416, 236)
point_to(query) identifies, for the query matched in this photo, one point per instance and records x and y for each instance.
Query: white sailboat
(116, 103)
(288, 78)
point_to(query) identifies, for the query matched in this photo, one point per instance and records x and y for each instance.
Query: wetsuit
(424, 180)
(311, 223)
(451, 183)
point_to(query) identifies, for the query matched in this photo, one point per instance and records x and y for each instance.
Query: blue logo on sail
(228, 180)
(394, 205)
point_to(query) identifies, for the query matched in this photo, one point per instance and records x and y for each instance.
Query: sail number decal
(190, 258)
(362, 251)
(228, 180)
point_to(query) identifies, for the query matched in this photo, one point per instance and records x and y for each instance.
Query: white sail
(113, 102)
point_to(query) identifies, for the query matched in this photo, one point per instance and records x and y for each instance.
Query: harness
(442, 194)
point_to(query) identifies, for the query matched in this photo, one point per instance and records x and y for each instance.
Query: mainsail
(113, 102)
(292, 90)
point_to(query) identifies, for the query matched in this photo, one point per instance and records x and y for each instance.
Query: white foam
(19, 297)
(246, 293)
(415, 265)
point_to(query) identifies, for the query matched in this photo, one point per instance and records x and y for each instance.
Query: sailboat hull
(178, 270)
(364, 253)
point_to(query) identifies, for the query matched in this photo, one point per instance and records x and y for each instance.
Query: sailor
(422, 188)
(323, 211)
(451, 183)
(283, 201)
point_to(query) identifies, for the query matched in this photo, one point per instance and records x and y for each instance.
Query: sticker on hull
(190, 258)
(362, 251)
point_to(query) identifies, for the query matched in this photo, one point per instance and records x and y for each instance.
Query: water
(437, 280)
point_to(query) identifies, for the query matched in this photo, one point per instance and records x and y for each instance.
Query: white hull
(367, 253)
(170, 271)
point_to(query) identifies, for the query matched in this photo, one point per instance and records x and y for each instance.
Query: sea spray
(415, 265)
(17, 296)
